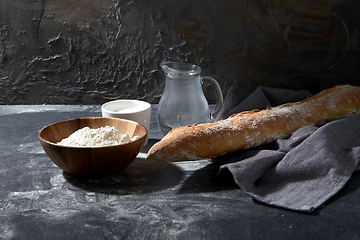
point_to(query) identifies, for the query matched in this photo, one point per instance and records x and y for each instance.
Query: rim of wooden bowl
(93, 118)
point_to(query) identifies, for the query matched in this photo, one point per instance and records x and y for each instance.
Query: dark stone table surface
(148, 200)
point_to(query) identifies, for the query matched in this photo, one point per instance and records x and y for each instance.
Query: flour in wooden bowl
(99, 137)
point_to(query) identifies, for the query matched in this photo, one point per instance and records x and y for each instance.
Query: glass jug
(183, 101)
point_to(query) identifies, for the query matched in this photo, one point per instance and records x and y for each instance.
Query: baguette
(253, 128)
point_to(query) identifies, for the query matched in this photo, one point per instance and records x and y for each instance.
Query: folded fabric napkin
(300, 172)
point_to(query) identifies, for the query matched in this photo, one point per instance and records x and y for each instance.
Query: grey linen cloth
(300, 172)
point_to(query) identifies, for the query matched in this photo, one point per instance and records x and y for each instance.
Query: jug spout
(180, 69)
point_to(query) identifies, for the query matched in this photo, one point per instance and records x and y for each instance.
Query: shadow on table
(140, 177)
(146, 176)
(206, 180)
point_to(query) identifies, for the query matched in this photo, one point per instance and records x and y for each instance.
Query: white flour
(99, 137)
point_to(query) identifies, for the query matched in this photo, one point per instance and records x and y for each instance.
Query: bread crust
(253, 128)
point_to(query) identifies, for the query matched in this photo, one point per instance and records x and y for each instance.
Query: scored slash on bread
(253, 128)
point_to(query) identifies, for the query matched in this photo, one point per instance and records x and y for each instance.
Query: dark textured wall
(92, 51)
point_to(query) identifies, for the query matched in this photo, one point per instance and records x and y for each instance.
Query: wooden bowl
(91, 161)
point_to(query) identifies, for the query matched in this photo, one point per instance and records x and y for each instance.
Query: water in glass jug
(183, 101)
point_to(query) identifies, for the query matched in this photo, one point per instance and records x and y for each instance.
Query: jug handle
(219, 96)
